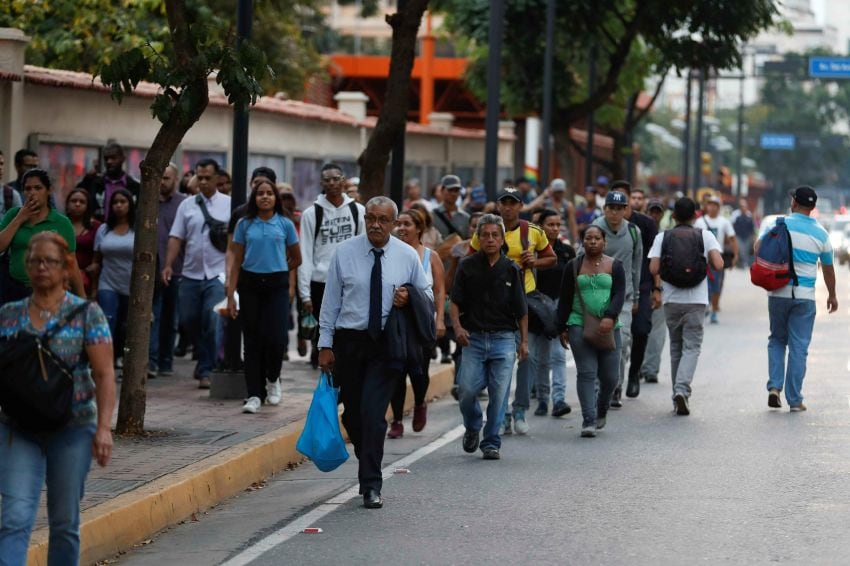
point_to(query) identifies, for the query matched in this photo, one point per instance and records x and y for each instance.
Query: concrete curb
(117, 525)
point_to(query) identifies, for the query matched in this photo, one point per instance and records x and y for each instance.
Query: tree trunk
(132, 404)
(393, 117)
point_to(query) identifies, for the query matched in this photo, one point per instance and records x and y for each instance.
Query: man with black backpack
(678, 260)
(334, 218)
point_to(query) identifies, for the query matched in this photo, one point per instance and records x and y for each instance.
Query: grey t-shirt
(117, 252)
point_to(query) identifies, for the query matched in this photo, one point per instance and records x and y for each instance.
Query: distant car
(839, 237)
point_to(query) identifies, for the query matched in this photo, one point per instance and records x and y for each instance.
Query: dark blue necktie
(375, 301)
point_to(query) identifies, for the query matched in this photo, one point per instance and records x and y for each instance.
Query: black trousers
(641, 327)
(365, 389)
(263, 307)
(420, 387)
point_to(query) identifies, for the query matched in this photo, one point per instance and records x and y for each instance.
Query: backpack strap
(794, 279)
(320, 213)
(451, 227)
(523, 234)
(355, 215)
(633, 232)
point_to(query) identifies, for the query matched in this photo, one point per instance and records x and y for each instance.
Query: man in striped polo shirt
(792, 308)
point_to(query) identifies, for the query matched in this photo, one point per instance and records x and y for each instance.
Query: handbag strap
(576, 266)
(66, 320)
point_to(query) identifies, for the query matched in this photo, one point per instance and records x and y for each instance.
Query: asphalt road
(734, 483)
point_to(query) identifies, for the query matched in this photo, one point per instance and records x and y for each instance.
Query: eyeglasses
(371, 219)
(48, 262)
(333, 178)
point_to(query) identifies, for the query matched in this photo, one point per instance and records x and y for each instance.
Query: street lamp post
(547, 93)
(239, 168)
(591, 125)
(686, 155)
(494, 67)
(698, 150)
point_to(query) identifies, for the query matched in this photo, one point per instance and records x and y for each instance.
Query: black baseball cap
(451, 182)
(805, 196)
(616, 198)
(509, 192)
(655, 204)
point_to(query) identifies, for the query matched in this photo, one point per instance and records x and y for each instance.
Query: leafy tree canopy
(82, 35)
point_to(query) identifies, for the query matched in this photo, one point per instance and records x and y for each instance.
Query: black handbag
(36, 386)
(218, 228)
(542, 315)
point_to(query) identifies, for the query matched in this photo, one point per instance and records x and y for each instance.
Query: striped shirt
(811, 244)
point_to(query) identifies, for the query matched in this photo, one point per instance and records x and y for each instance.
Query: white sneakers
(273, 392)
(252, 405)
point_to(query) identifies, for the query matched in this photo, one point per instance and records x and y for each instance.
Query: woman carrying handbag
(592, 293)
(41, 441)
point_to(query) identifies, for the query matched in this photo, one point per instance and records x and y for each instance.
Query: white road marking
(329, 506)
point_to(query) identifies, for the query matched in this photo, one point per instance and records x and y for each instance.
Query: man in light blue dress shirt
(348, 342)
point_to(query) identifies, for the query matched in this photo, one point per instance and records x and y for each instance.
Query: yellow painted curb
(118, 524)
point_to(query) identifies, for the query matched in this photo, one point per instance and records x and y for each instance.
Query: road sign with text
(778, 141)
(829, 67)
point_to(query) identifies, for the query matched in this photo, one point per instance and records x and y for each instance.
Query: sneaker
(601, 422)
(491, 454)
(773, 399)
(506, 426)
(166, 373)
(470, 441)
(420, 417)
(204, 383)
(798, 408)
(561, 408)
(396, 430)
(273, 392)
(151, 373)
(252, 405)
(455, 394)
(713, 317)
(649, 378)
(681, 403)
(588, 431)
(542, 409)
(616, 401)
(520, 425)
(445, 359)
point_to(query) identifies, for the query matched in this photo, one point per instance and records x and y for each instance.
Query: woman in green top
(19, 225)
(601, 281)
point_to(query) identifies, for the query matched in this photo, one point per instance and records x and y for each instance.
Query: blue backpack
(774, 264)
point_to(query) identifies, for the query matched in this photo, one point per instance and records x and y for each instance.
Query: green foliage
(83, 35)
(668, 34)
(367, 7)
(239, 69)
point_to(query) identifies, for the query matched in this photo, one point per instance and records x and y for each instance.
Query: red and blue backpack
(774, 264)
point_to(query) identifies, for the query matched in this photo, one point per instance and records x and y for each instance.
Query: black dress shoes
(372, 499)
(633, 388)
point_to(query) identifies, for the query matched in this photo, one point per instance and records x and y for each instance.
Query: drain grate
(192, 437)
(111, 486)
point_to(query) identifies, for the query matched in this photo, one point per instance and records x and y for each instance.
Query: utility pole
(494, 69)
(239, 172)
(547, 94)
(698, 150)
(740, 167)
(588, 161)
(686, 155)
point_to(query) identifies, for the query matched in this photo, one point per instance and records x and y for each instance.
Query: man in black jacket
(101, 187)
(488, 307)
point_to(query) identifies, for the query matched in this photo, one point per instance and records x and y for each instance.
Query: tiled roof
(291, 108)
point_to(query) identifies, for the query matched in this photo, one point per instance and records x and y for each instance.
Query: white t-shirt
(687, 296)
(721, 227)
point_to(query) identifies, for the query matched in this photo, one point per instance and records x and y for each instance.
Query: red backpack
(774, 264)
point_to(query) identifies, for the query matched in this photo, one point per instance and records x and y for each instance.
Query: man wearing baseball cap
(536, 254)
(601, 191)
(623, 242)
(792, 308)
(448, 218)
(555, 198)
(725, 234)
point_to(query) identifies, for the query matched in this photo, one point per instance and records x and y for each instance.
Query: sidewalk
(198, 451)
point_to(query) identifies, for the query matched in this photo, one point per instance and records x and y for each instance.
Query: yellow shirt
(537, 241)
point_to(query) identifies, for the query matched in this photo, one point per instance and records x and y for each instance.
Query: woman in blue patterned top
(61, 458)
(265, 249)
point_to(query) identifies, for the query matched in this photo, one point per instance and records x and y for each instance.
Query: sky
(818, 8)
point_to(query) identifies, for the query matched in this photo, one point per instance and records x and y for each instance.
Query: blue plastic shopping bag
(321, 439)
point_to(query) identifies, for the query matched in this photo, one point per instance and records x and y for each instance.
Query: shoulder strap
(576, 266)
(207, 218)
(319, 213)
(66, 320)
(355, 215)
(446, 221)
(781, 220)
(523, 234)
(633, 232)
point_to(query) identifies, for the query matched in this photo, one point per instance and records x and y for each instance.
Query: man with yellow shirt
(527, 245)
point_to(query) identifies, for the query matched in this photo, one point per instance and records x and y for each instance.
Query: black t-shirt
(648, 231)
(490, 299)
(549, 280)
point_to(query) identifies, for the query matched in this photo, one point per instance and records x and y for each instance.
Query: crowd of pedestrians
(503, 289)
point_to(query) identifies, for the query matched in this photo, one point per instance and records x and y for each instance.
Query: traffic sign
(829, 67)
(778, 141)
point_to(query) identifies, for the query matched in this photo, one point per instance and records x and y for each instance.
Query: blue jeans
(164, 327)
(488, 362)
(558, 363)
(62, 459)
(115, 306)
(197, 297)
(791, 325)
(526, 371)
(596, 374)
(540, 363)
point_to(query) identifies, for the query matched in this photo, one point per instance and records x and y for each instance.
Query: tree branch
(635, 119)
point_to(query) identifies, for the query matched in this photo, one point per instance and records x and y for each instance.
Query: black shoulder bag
(218, 229)
(36, 386)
